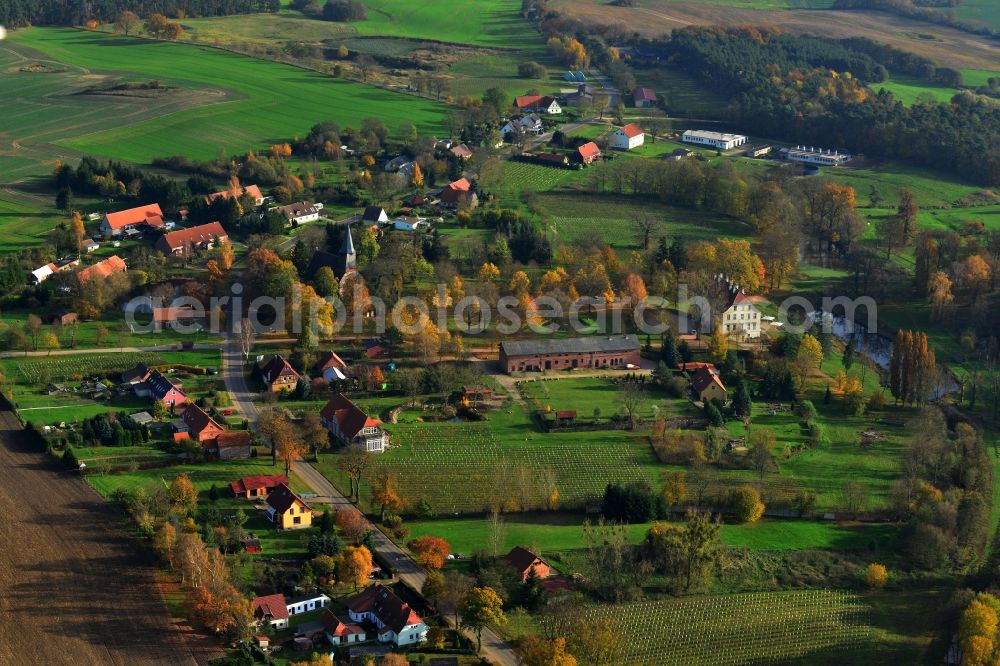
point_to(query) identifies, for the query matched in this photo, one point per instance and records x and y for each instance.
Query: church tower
(347, 251)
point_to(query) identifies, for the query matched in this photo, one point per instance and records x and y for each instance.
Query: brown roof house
(523, 561)
(350, 425)
(287, 510)
(249, 190)
(331, 367)
(588, 152)
(278, 374)
(260, 485)
(271, 610)
(592, 351)
(397, 623)
(707, 385)
(102, 269)
(115, 224)
(201, 426)
(202, 237)
(456, 191)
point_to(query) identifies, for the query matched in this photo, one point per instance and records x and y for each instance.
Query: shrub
(746, 504)
(876, 575)
(531, 70)
(69, 458)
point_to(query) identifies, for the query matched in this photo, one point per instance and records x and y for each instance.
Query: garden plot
(36, 370)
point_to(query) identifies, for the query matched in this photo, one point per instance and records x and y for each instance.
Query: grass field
(586, 394)
(473, 76)
(979, 11)
(684, 95)
(907, 88)
(253, 96)
(930, 189)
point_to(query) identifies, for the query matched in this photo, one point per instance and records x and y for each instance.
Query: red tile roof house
(397, 623)
(201, 426)
(644, 97)
(115, 224)
(454, 192)
(350, 425)
(177, 314)
(339, 633)
(279, 375)
(202, 237)
(102, 269)
(707, 385)
(628, 137)
(523, 561)
(160, 388)
(588, 152)
(539, 103)
(251, 190)
(271, 610)
(252, 487)
(331, 367)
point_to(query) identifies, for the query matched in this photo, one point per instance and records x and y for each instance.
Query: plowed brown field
(73, 589)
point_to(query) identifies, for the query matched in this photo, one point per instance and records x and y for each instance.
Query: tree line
(22, 13)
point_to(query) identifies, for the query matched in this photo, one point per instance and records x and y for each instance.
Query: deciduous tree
(430, 551)
(354, 566)
(482, 607)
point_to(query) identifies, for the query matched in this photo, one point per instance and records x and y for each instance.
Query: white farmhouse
(717, 140)
(628, 137)
(397, 623)
(740, 318)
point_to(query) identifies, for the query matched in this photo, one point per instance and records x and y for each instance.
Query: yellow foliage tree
(876, 575)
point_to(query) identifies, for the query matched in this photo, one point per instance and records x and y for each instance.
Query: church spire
(347, 249)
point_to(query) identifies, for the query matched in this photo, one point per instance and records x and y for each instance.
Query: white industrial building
(718, 140)
(810, 155)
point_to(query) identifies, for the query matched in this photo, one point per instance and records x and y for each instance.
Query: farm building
(717, 140)
(63, 318)
(523, 561)
(456, 191)
(250, 191)
(612, 351)
(251, 487)
(89, 245)
(538, 104)
(707, 385)
(115, 224)
(349, 424)
(396, 622)
(679, 154)
(341, 263)
(159, 388)
(810, 155)
(278, 374)
(410, 223)
(338, 633)
(628, 137)
(588, 152)
(304, 604)
(644, 97)
(102, 269)
(757, 150)
(139, 373)
(287, 510)
(40, 275)
(202, 237)
(300, 212)
(177, 314)
(233, 445)
(375, 214)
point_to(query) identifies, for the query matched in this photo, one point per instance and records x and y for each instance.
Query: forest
(21, 13)
(811, 90)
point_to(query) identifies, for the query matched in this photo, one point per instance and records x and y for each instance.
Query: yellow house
(707, 385)
(287, 510)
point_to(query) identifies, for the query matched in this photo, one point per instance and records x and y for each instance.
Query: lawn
(907, 88)
(930, 189)
(586, 394)
(473, 76)
(684, 96)
(252, 96)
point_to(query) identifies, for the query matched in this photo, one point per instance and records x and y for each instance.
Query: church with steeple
(341, 263)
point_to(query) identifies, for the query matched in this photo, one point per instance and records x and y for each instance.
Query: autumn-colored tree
(163, 542)
(538, 651)
(974, 274)
(430, 551)
(718, 344)
(488, 272)
(977, 630)
(808, 358)
(876, 575)
(352, 524)
(482, 607)
(746, 504)
(417, 177)
(635, 288)
(939, 294)
(50, 341)
(355, 461)
(314, 434)
(354, 566)
(674, 487)
(520, 284)
(737, 261)
(280, 150)
(156, 25)
(395, 659)
(126, 22)
(433, 587)
(385, 491)
(225, 254)
(183, 495)
(289, 446)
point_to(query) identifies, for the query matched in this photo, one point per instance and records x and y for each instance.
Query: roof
(351, 418)
(90, 242)
(717, 136)
(141, 417)
(176, 313)
(275, 367)
(43, 272)
(524, 101)
(566, 414)
(102, 269)
(589, 150)
(581, 345)
(702, 378)
(205, 233)
(150, 214)
(233, 439)
(298, 209)
(329, 359)
(139, 372)
(631, 130)
(453, 190)
(461, 150)
(522, 559)
(159, 385)
(374, 214)
(240, 486)
(321, 258)
(386, 606)
(334, 627)
(197, 419)
(273, 605)
(252, 190)
(282, 498)
(644, 95)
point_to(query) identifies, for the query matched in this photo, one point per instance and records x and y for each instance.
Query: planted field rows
(752, 628)
(463, 467)
(35, 370)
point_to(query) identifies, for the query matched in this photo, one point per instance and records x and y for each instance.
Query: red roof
(566, 414)
(589, 151)
(256, 482)
(644, 95)
(176, 313)
(329, 359)
(452, 191)
(631, 130)
(461, 150)
(273, 605)
(525, 101)
(336, 628)
(277, 367)
(393, 612)
(102, 269)
(348, 416)
(197, 419)
(522, 559)
(150, 214)
(702, 378)
(205, 233)
(252, 190)
(236, 438)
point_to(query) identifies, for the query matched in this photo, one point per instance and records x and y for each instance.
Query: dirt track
(72, 587)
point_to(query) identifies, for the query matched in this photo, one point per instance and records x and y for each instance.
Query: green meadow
(256, 102)
(907, 88)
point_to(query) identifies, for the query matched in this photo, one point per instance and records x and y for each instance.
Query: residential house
(527, 124)
(202, 237)
(350, 425)
(331, 367)
(375, 215)
(279, 375)
(253, 487)
(338, 633)
(287, 510)
(89, 245)
(251, 544)
(341, 263)
(717, 140)
(239, 192)
(177, 314)
(102, 269)
(201, 426)
(740, 317)
(458, 191)
(306, 603)
(523, 561)
(557, 159)
(402, 163)
(644, 97)
(707, 385)
(410, 223)
(397, 623)
(588, 152)
(597, 351)
(230, 445)
(43, 273)
(136, 375)
(159, 388)
(271, 610)
(116, 224)
(538, 104)
(300, 212)
(461, 151)
(628, 137)
(679, 154)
